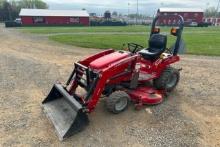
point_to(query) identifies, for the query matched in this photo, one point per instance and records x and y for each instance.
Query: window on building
(38, 20)
(165, 13)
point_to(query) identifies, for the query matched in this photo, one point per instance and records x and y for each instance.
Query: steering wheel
(133, 47)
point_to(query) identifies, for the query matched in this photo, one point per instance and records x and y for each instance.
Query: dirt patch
(31, 64)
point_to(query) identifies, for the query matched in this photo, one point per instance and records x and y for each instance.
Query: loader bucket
(65, 112)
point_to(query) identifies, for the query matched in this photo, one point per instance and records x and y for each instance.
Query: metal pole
(128, 8)
(137, 13)
(216, 15)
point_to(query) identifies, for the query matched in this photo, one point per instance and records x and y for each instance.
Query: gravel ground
(31, 64)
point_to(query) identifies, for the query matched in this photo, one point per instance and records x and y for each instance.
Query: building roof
(46, 12)
(180, 10)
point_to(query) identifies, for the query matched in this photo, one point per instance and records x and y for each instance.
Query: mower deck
(146, 95)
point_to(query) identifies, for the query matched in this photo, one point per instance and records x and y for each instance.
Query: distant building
(107, 15)
(190, 15)
(54, 17)
(212, 20)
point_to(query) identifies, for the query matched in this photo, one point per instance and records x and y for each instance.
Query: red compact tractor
(140, 75)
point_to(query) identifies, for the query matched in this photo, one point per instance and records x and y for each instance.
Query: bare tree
(9, 10)
(211, 12)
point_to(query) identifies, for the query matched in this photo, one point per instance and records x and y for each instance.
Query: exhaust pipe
(65, 112)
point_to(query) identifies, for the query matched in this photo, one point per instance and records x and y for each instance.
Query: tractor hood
(108, 59)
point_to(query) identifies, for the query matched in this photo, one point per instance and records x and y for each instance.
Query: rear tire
(117, 102)
(168, 80)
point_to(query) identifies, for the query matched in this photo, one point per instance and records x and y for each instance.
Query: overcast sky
(147, 7)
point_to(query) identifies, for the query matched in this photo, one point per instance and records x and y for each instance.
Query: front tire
(117, 101)
(168, 80)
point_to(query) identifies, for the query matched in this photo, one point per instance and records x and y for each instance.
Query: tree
(32, 4)
(211, 12)
(9, 10)
(14, 11)
(1, 10)
(5, 11)
(114, 13)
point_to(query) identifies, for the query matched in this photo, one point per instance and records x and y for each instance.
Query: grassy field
(51, 30)
(199, 41)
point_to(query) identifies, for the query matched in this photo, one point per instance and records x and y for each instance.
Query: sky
(147, 7)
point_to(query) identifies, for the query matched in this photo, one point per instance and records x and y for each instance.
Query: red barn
(54, 17)
(191, 15)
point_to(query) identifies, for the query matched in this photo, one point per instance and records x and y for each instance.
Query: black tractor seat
(157, 45)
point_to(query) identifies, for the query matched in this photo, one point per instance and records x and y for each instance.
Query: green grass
(99, 41)
(199, 41)
(203, 44)
(49, 30)
(140, 28)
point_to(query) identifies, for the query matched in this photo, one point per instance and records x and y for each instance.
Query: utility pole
(216, 14)
(137, 13)
(128, 13)
(128, 8)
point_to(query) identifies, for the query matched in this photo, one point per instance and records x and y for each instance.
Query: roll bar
(181, 26)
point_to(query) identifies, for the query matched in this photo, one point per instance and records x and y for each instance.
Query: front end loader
(141, 75)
